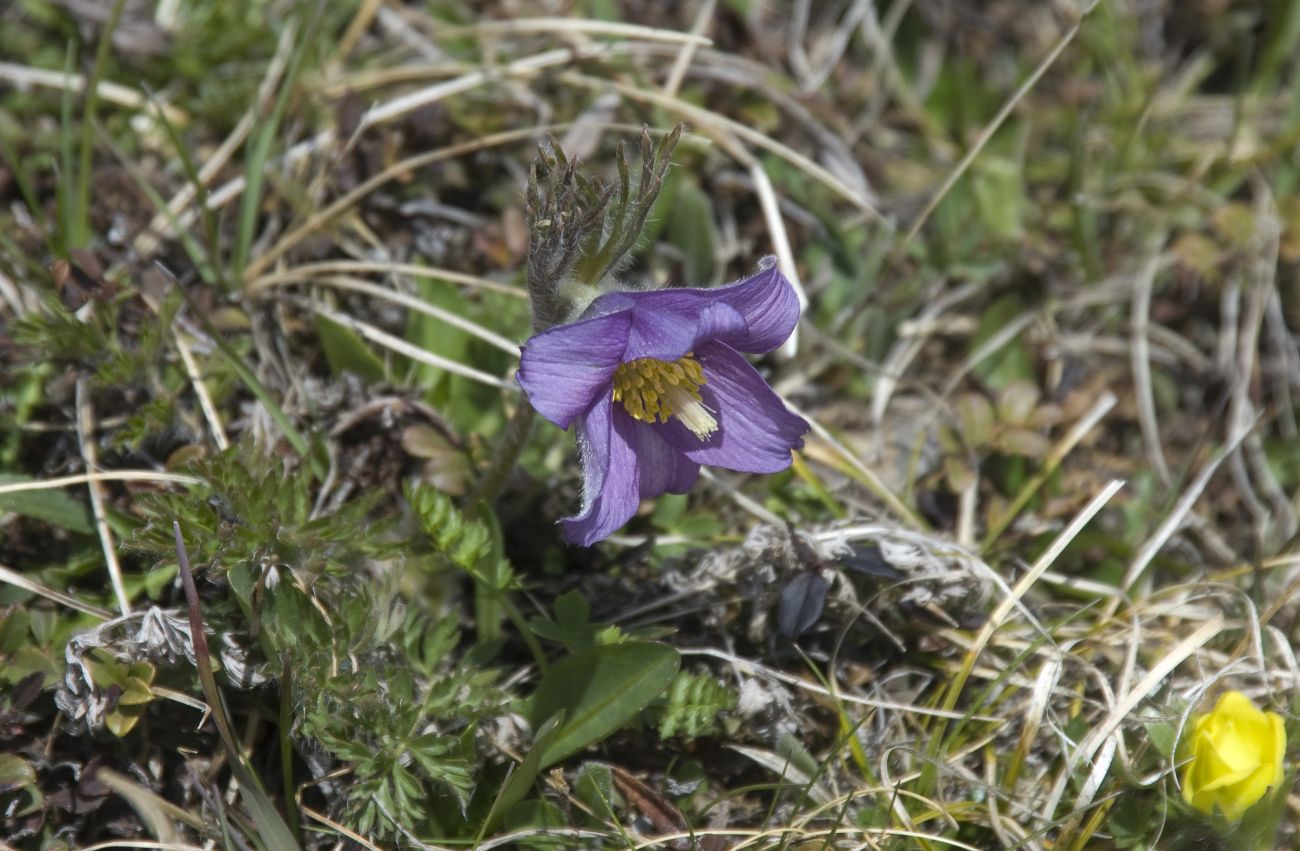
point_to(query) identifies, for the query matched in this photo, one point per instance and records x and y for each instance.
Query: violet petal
(755, 430)
(661, 467)
(565, 369)
(667, 328)
(623, 462)
(609, 481)
(761, 311)
(770, 306)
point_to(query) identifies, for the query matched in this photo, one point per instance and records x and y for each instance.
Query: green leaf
(1023, 442)
(51, 506)
(15, 773)
(1016, 402)
(572, 612)
(1013, 360)
(18, 788)
(437, 337)
(694, 701)
(975, 416)
(13, 630)
(1161, 735)
(999, 192)
(797, 755)
(691, 229)
(534, 815)
(593, 785)
(521, 779)
(599, 690)
(347, 352)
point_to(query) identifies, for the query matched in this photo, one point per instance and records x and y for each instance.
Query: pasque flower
(656, 385)
(1236, 756)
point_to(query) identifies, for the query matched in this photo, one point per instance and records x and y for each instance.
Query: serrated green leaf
(694, 701)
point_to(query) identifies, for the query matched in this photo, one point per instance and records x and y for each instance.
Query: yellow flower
(1236, 756)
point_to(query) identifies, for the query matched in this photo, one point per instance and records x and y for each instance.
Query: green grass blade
(271, 827)
(80, 233)
(259, 153)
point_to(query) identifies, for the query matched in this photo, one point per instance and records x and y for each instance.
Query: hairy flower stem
(503, 461)
(488, 602)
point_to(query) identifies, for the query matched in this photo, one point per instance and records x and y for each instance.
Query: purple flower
(657, 387)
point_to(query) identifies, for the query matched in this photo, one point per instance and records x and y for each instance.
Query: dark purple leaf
(802, 601)
(868, 560)
(26, 691)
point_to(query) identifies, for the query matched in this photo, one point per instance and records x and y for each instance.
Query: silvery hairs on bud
(581, 229)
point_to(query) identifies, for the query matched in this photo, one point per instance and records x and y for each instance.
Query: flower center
(650, 388)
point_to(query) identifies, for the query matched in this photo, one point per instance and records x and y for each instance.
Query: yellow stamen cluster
(650, 388)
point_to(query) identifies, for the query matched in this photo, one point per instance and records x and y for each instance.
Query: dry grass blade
(683, 61)
(1139, 318)
(356, 285)
(201, 390)
(263, 261)
(149, 240)
(1012, 600)
(710, 122)
(397, 344)
(18, 580)
(109, 91)
(1277, 521)
(307, 271)
(1176, 516)
(781, 246)
(743, 501)
(510, 839)
(753, 668)
(141, 843)
(566, 26)
(361, 21)
(863, 473)
(341, 829)
(403, 105)
(102, 476)
(90, 456)
(1102, 733)
(992, 127)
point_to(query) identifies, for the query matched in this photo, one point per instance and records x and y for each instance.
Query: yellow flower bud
(1236, 756)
